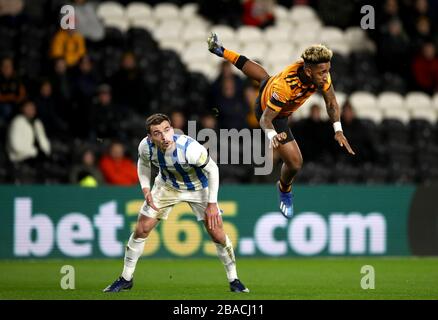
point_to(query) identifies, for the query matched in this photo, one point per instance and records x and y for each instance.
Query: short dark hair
(155, 119)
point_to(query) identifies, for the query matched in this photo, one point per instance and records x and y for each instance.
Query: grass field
(315, 278)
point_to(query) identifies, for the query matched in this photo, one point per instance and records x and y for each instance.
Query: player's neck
(303, 77)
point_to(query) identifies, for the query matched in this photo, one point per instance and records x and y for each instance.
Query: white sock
(133, 251)
(226, 255)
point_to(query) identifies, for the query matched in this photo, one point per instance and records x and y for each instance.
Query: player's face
(319, 74)
(162, 135)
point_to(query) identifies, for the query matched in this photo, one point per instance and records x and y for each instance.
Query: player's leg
(290, 153)
(224, 248)
(225, 252)
(147, 220)
(250, 68)
(292, 162)
(133, 252)
(136, 243)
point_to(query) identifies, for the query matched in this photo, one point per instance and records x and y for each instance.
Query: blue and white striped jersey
(180, 168)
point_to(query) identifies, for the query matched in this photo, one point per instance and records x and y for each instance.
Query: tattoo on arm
(331, 104)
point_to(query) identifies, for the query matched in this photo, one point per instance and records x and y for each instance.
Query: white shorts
(165, 197)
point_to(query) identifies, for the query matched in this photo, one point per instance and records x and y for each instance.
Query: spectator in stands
(232, 106)
(258, 13)
(105, 116)
(421, 9)
(49, 111)
(251, 92)
(394, 48)
(391, 10)
(358, 135)
(85, 81)
(68, 44)
(128, 85)
(117, 168)
(87, 22)
(226, 72)
(60, 79)
(27, 139)
(423, 33)
(12, 90)
(208, 121)
(11, 7)
(84, 86)
(315, 135)
(425, 69)
(178, 120)
(86, 170)
(227, 97)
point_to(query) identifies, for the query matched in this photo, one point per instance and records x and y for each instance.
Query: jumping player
(282, 94)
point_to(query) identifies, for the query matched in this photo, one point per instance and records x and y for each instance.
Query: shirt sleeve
(144, 165)
(328, 84)
(196, 154)
(278, 97)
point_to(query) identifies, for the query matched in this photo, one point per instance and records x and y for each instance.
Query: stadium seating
(435, 101)
(188, 11)
(110, 9)
(299, 14)
(138, 11)
(169, 42)
(375, 115)
(166, 11)
(363, 100)
(247, 34)
(227, 34)
(276, 34)
(389, 100)
(418, 100)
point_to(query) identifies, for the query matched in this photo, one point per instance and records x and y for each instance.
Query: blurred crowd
(73, 102)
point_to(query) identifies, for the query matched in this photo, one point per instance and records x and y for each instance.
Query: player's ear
(308, 71)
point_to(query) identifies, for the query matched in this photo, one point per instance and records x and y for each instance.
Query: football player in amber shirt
(282, 94)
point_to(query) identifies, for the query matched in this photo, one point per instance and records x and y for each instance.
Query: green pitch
(315, 278)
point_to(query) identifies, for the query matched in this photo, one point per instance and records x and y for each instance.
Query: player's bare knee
(294, 165)
(142, 230)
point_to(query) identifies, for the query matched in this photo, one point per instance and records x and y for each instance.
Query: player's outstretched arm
(212, 210)
(250, 68)
(144, 175)
(335, 116)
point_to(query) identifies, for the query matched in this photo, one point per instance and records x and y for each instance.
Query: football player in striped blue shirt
(186, 174)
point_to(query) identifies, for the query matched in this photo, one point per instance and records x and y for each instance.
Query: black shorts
(280, 123)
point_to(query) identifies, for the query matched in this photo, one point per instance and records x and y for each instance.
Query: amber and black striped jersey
(285, 92)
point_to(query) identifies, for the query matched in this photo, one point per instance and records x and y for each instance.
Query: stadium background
(92, 90)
